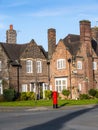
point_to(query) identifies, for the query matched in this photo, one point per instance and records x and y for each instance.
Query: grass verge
(39, 103)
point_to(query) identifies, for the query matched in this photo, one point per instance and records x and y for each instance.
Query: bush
(23, 96)
(48, 94)
(96, 94)
(8, 94)
(65, 92)
(84, 96)
(92, 92)
(27, 96)
(30, 96)
(2, 98)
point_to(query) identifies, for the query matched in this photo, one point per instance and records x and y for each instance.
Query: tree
(65, 92)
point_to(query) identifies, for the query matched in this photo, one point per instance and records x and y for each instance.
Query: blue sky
(32, 18)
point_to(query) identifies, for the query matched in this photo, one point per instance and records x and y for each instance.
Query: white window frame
(1, 88)
(80, 87)
(0, 65)
(61, 64)
(32, 87)
(39, 66)
(94, 65)
(24, 88)
(60, 85)
(79, 65)
(29, 66)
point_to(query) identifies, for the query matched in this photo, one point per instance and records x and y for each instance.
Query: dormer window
(61, 64)
(39, 66)
(94, 65)
(29, 66)
(79, 65)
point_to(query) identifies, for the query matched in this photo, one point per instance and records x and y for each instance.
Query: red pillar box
(55, 101)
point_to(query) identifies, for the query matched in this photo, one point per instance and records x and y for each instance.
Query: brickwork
(84, 76)
(11, 35)
(60, 53)
(51, 42)
(81, 48)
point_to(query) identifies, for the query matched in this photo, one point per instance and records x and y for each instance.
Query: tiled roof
(43, 51)
(95, 46)
(13, 50)
(34, 51)
(72, 42)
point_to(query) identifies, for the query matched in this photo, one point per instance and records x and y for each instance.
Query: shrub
(30, 96)
(96, 94)
(84, 96)
(8, 94)
(92, 92)
(65, 92)
(27, 96)
(23, 96)
(2, 98)
(48, 94)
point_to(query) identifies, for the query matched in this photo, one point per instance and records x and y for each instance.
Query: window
(79, 64)
(29, 66)
(24, 88)
(32, 87)
(0, 65)
(1, 87)
(79, 87)
(61, 64)
(60, 84)
(94, 65)
(39, 66)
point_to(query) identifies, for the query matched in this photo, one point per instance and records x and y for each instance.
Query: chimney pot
(11, 27)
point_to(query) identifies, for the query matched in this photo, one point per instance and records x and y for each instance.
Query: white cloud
(65, 10)
(50, 12)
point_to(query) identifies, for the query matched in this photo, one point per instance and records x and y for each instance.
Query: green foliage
(96, 94)
(27, 96)
(48, 103)
(2, 98)
(23, 96)
(65, 92)
(9, 94)
(92, 92)
(48, 94)
(84, 96)
(30, 95)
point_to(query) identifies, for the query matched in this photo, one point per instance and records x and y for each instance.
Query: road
(70, 118)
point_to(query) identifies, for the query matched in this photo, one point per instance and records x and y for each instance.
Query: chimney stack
(11, 35)
(11, 27)
(85, 38)
(85, 35)
(51, 41)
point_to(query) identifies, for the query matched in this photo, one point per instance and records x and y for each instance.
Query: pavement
(9, 109)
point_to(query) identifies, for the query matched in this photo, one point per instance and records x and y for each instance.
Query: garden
(9, 98)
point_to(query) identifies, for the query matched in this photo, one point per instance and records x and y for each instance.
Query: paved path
(47, 118)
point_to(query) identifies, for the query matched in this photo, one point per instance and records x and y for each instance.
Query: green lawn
(49, 103)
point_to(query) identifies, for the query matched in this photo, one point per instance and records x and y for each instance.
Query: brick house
(74, 63)
(70, 64)
(22, 66)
